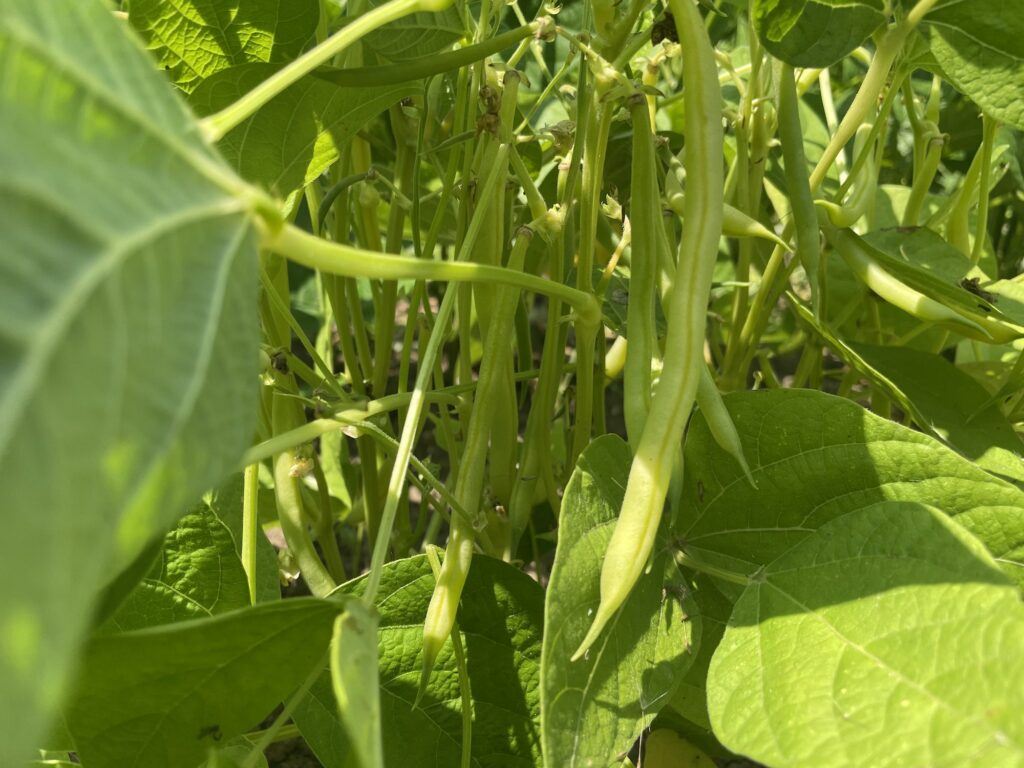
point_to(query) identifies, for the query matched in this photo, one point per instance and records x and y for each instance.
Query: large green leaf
(815, 33)
(886, 637)
(980, 47)
(128, 329)
(298, 134)
(193, 39)
(944, 400)
(162, 697)
(815, 457)
(500, 617)
(592, 710)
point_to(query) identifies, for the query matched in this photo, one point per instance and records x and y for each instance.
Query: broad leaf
(815, 33)
(193, 39)
(593, 709)
(980, 47)
(815, 457)
(950, 404)
(500, 618)
(162, 697)
(128, 329)
(298, 134)
(887, 637)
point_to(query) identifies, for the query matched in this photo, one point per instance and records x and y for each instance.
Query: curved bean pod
(633, 538)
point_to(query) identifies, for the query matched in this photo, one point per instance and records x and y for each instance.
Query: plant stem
(216, 126)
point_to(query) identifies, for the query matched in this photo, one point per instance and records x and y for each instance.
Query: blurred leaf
(128, 329)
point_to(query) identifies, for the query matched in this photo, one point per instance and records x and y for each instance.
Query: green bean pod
(645, 216)
(805, 219)
(720, 422)
(632, 541)
(898, 293)
(735, 223)
(286, 414)
(862, 197)
(444, 602)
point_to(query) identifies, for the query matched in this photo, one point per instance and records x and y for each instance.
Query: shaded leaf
(595, 708)
(815, 457)
(162, 697)
(815, 33)
(917, 640)
(198, 571)
(128, 329)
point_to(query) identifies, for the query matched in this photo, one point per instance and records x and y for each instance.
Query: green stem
(338, 259)
(428, 66)
(217, 125)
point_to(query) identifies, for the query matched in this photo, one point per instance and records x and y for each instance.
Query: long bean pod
(633, 538)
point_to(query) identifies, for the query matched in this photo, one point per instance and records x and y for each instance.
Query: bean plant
(497, 383)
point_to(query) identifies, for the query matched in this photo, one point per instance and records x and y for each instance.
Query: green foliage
(978, 47)
(352, 278)
(815, 33)
(299, 134)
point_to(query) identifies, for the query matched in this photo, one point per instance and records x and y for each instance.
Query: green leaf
(162, 697)
(298, 134)
(690, 698)
(816, 457)
(128, 329)
(592, 710)
(193, 39)
(815, 33)
(198, 571)
(886, 637)
(980, 47)
(944, 400)
(418, 34)
(196, 574)
(500, 618)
